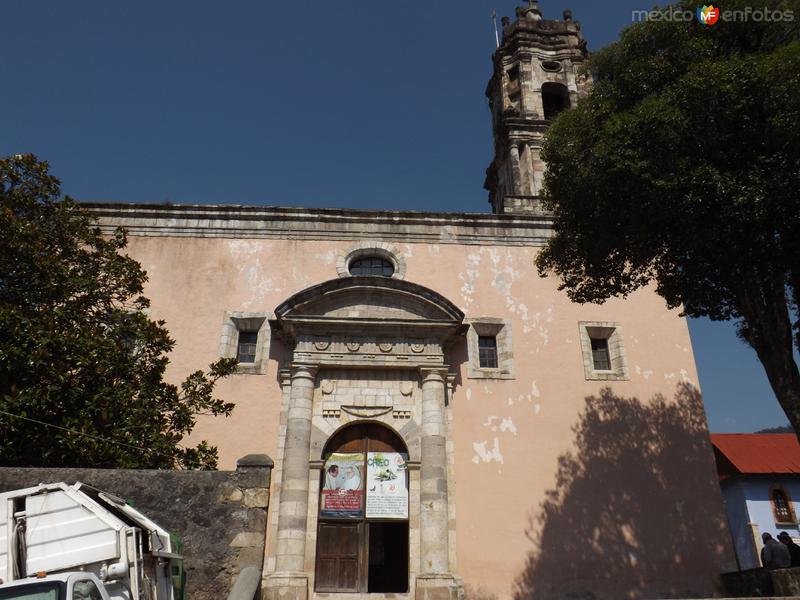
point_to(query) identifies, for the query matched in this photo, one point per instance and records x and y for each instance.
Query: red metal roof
(751, 453)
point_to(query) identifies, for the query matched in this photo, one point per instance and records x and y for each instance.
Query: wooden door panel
(337, 568)
(326, 573)
(384, 440)
(348, 574)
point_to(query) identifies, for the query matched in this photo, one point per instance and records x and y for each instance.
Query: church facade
(440, 415)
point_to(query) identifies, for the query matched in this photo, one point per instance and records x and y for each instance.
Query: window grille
(600, 356)
(372, 265)
(246, 350)
(487, 351)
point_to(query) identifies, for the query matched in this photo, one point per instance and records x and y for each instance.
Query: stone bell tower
(536, 76)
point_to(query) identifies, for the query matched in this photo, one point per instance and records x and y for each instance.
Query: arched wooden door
(362, 533)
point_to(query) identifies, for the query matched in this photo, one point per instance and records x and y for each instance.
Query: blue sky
(350, 104)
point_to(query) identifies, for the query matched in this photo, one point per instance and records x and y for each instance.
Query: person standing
(794, 549)
(774, 555)
(332, 479)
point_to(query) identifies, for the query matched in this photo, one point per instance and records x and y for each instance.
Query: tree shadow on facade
(636, 511)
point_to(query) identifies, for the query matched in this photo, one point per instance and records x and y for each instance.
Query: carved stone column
(434, 582)
(525, 66)
(516, 175)
(289, 582)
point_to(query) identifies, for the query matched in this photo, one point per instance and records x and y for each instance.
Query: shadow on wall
(636, 512)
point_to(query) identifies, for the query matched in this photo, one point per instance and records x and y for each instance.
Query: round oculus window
(553, 66)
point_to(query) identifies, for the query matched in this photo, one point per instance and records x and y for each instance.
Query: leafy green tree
(682, 168)
(81, 365)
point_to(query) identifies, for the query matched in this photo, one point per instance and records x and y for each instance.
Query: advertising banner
(387, 488)
(343, 488)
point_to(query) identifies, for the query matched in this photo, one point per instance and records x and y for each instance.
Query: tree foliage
(682, 168)
(81, 365)
(778, 429)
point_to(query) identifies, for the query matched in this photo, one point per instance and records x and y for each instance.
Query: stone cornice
(234, 221)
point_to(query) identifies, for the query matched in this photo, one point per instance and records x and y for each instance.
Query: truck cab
(62, 586)
(75, 542)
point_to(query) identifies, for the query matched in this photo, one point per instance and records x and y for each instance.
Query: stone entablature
(381, 351)
(247, 222)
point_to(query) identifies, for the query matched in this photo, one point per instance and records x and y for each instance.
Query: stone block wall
(367, 393)
(220, 516)
(761, 583)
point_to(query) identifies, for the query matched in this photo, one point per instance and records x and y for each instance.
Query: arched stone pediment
(369, 298)
(368, 321)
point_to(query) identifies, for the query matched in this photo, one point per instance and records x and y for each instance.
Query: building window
(603, 351)
(372, 265)
(246, 337)
(782, 507)
(370, 258)
(552, 66)
(489, 349)
(246, 351)
(600, 358)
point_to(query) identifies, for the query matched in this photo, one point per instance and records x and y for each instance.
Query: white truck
(62, 542)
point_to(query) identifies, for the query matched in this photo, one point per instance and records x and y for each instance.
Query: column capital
(303, 371)
(434, 374)
(285, 377)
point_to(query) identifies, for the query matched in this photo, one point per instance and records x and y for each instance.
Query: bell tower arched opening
(555, 99)
(362, 531)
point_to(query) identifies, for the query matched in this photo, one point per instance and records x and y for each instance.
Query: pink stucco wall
(547, 494)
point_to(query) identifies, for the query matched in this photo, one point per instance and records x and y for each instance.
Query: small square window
(246, 349)
(600, 356)
(603, 351)
(246, 337)
(782, 506)
(487, 351)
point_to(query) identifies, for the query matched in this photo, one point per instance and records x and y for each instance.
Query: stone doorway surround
(383, 343)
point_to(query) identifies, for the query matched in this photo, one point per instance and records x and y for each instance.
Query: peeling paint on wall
(646, 373)
(484, 455)
(502, 423)
(247, 256)
(540, 321)
(535, 393)
(508, 425)
(469, 276)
